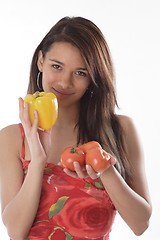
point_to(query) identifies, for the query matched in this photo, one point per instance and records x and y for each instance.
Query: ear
(40, 61)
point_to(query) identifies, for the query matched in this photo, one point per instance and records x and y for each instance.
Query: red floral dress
(70, 208)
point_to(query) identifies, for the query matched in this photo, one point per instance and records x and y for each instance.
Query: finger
(70, 173)
(25, 116)
(23, 113)
(60, 164)
(21, 107)
(79, 171)
(35, 122)
(113, 160)
(91, 172)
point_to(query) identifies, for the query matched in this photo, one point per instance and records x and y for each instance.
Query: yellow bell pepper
(45, 103)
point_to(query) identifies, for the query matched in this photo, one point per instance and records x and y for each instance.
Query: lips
(62, 93)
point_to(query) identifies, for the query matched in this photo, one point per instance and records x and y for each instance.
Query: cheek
(47, 79)
(81, 91)
(83, 87)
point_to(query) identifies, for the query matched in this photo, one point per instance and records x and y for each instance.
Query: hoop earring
(39, 81)
(91, 93)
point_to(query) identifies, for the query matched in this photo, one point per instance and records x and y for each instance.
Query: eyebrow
(56, 61)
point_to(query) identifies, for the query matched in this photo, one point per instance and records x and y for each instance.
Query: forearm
(19, 214)
(134, 209)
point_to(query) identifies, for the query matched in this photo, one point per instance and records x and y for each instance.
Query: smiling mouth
(62, 93)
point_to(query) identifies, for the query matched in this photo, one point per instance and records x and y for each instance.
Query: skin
(65, 74)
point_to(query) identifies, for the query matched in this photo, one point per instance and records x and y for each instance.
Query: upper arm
(11, 172)
(135, 156)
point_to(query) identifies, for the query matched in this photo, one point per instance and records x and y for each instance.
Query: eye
(56, 66)
(81, 73)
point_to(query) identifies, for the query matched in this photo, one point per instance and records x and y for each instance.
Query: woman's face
(64, 73)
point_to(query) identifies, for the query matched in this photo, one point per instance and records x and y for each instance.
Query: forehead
(65, 52)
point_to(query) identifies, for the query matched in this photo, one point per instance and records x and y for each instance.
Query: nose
(65, 80)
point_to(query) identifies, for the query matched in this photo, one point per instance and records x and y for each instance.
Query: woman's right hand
(38, 140)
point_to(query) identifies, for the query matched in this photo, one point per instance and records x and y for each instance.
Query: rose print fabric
(70, 208)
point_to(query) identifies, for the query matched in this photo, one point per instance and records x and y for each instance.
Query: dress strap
(23, 145)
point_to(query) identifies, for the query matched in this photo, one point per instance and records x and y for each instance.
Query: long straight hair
(97, 118)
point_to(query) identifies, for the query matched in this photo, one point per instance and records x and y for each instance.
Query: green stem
(72, 150)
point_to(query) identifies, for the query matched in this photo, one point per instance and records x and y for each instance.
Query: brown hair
(97, 118)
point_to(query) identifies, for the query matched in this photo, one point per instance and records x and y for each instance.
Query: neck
(67, 117)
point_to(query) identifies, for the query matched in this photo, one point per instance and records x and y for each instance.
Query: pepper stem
(36, 94)
(72, 150)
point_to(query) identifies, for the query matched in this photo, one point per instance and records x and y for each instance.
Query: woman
(43, 200)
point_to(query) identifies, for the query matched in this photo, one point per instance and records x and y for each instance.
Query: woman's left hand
(87, 160)
(86, 171)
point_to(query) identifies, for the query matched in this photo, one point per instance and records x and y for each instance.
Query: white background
(132, 29)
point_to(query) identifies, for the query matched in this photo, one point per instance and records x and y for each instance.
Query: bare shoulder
(132, 138)
(10, 138)
(129, 127)
(10, 132)
(126, 121)
(10, 129)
